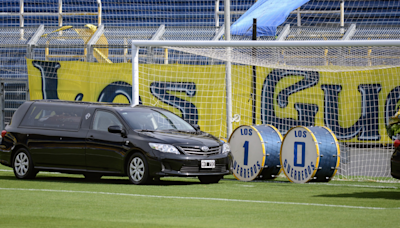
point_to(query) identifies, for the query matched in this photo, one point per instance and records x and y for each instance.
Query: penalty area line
(197, 198)
(5, 170)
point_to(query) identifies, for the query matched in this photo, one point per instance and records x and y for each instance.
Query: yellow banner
(355, 105)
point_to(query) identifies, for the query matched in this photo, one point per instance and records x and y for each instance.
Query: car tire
(138, 169)
(92, 176)
(23, 165)
(210, 179)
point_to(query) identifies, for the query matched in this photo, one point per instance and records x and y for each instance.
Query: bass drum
(310, 154)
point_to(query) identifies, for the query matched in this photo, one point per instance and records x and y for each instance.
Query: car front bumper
(189, 165)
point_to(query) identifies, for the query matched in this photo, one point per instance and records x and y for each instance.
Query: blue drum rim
(262, 144)
(316, 145)
(281, 137)
(337, 149)
(276, 130)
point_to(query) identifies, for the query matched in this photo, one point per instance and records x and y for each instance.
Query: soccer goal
(351, 87)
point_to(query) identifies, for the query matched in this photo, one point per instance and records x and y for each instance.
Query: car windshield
(154, 119)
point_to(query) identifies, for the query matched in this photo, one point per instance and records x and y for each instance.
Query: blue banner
(269, 13)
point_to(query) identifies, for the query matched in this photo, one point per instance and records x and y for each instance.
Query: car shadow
(390, 195)
(107, 180)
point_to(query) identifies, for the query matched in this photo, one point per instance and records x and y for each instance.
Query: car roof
(98, 104)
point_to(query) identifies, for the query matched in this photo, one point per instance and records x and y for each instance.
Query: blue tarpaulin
(269, 13)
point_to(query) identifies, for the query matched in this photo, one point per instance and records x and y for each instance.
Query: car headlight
(225, 148)
(166, 148)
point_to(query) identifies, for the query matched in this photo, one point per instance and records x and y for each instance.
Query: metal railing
(60, 14)
(12, 94)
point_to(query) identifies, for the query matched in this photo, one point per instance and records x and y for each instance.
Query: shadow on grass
(390, 195)
(104, 180)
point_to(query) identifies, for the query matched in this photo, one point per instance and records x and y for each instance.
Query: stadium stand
(193, 13)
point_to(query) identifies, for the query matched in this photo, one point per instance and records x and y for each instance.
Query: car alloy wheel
(23, 166)
(138, 169)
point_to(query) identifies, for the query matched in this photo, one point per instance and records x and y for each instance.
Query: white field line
(281, 182)
(5, 170)
(198, 198)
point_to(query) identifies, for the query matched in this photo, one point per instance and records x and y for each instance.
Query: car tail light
(3, 133)
(395, 144)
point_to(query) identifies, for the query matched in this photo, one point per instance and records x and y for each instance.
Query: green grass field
(60, 200)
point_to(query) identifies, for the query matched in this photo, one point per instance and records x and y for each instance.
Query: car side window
(53, 116)
(103, 119)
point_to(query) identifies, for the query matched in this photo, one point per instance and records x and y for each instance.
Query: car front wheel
(23, 165)
(138, 169)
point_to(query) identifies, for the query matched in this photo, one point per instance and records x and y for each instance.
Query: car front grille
(197, 150)
(219, 168)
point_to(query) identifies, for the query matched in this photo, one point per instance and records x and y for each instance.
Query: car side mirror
(195, 126)
(117, 129)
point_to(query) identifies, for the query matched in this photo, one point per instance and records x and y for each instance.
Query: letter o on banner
(310, 154)
(252, 148)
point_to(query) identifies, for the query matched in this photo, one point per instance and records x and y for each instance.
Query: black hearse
(97, 139)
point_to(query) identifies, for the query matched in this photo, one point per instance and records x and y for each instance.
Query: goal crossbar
(329, 43)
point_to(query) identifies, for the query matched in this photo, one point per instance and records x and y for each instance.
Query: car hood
(184, 139)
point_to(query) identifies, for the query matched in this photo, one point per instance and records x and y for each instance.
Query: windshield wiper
(173, 129)
(145, 130)
(180, 131)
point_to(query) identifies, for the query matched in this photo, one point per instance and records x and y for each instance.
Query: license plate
(207, 164)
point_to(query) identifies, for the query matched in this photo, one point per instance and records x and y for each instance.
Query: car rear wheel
(138, 169)
(23, 165)
(210, 179)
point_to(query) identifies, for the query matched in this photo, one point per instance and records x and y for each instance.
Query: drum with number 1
(255, 151)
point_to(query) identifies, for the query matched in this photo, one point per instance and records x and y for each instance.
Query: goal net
(352, 89)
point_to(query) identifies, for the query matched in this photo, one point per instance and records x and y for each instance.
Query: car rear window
(53, 116)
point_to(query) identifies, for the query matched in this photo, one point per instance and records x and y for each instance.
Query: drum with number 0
(255, 151)
(310, 154)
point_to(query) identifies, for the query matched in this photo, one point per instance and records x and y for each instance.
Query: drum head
(299, 155)
(248, 153)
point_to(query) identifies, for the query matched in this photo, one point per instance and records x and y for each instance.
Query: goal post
(135, 75)
(351, 87)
